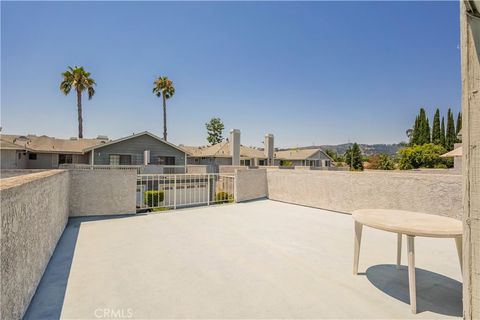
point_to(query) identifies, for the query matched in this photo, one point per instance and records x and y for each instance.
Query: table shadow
(435, 292)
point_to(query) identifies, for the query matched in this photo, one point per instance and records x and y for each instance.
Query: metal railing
(158, 192)
(141, 169)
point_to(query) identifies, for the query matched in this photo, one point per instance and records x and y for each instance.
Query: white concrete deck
(262, 259)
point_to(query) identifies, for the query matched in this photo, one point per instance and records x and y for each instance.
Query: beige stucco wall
(34, 212)
(346, 191)
(250, 184)
(102, 192)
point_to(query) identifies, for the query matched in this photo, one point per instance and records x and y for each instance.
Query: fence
(141, 169)
(156, 192)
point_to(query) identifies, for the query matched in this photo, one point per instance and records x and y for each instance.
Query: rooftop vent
(102, 137)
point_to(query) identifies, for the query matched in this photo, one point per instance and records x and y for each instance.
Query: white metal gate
(157, 192)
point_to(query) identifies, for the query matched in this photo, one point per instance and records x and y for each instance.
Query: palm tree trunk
(80, 119)
(164, 118)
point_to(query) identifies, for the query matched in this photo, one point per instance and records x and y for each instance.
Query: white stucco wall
(34, 212)
(250, 184)
(347, 191)
(102, 192)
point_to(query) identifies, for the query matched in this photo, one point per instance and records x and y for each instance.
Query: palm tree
(80, 80)
(163, 87)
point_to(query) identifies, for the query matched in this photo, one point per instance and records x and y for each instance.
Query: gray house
(138, 149)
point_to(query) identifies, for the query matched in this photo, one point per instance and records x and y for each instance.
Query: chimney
(146, 157)
(235, 146)
(269, 148)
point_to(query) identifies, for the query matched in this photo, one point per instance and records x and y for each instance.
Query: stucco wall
(102, 192)
(34, 212)
(250, 184)
(346, 191)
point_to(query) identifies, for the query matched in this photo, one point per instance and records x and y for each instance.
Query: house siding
(136, 147)
(43, 161)
(8, 159)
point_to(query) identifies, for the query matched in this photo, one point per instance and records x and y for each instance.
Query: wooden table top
(409, 222)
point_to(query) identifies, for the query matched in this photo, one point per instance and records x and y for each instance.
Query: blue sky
(309, 72)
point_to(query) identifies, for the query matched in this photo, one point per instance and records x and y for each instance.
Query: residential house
(229, 152)
(142, 148)
(220, 154)
(314, 157)
(12, 155)
(42, 152)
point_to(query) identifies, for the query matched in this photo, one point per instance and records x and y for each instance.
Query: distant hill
(367, 149)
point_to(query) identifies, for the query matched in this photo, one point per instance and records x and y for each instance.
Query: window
(120, 159)
(261, 162)
(65, 158)
(245, 162)
(19, 156)
(114, 159)
(166, 161)
(32, 156)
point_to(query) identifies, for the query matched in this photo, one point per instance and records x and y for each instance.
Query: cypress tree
(415, 132)
(436, 128)
(423, 128)
(459, 127)
(442, 133)
(426, 132)
(450, 137)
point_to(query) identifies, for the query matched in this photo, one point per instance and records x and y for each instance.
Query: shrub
(424, 156)
(381, 162)
(286, 163)
(153, 198)
(224, 197)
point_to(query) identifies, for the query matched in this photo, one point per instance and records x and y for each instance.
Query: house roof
(222, 150)
(131, 137)
(296, 154)
(454, 153)
(5, 145)
(49, 144)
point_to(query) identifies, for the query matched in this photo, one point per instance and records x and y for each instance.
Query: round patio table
(409, 223)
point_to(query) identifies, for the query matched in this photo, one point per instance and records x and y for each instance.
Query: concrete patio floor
(261, 259)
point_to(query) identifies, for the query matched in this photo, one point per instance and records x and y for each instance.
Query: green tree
(450, 137)
(163, 87)
(353, 157)
(424, 156)
(81, 81)
(442, 133)
(459, 127)
(215, 129)
(436, 131)
(381, 162)
(423, 127)
(420, 133)
(415, 133)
